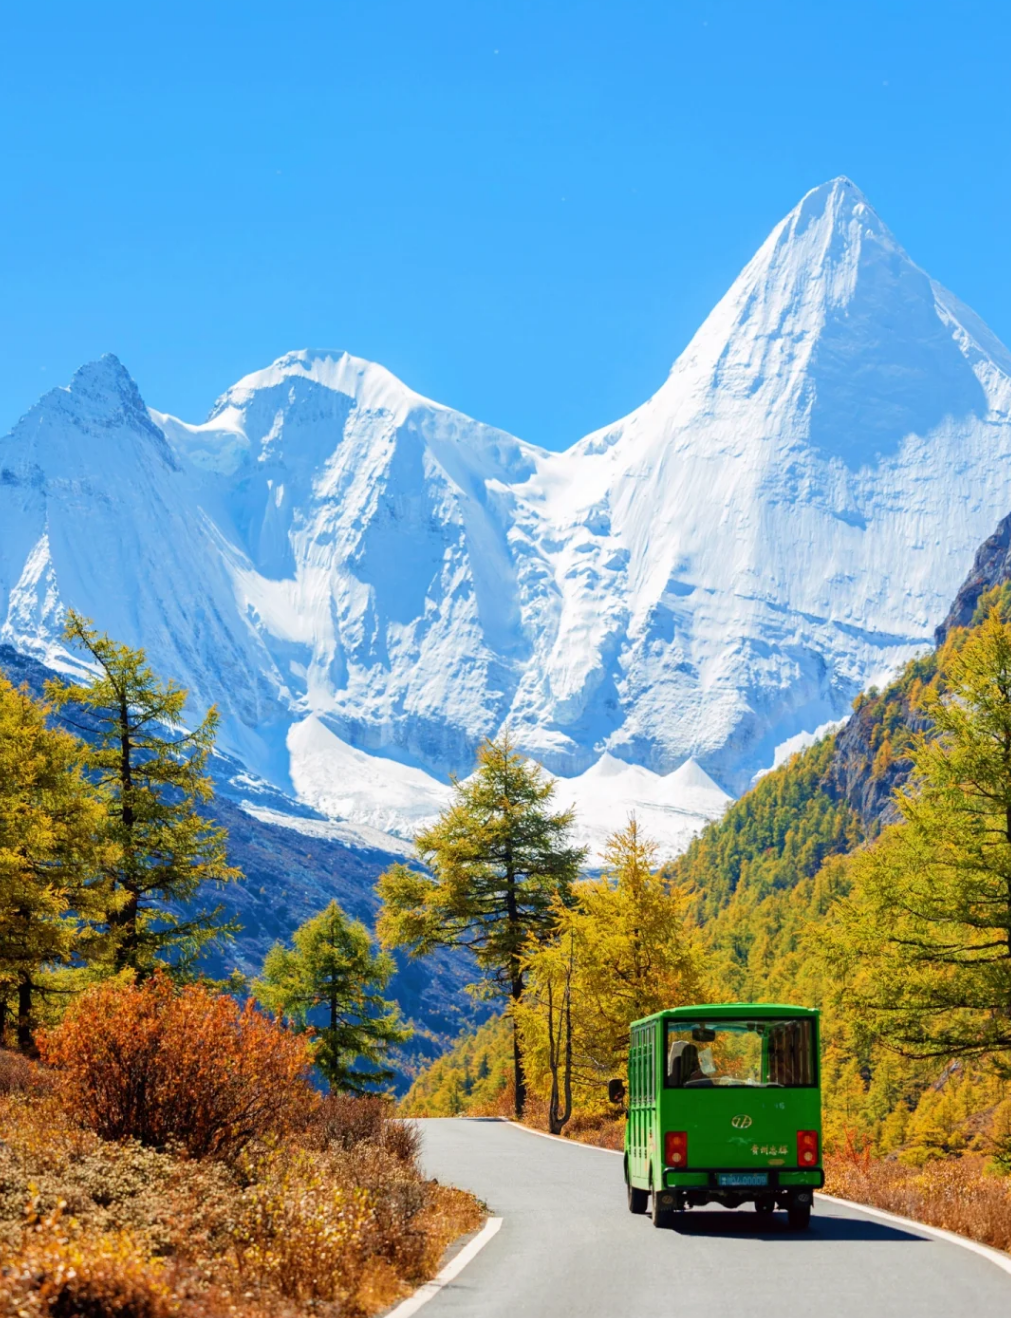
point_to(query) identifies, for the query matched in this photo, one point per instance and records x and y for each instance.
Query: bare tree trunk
(568, 1039)
(558, 1116)
(515, 986)
(125, 920)
(519, 1076)
(26, 1041)
(552, 1063)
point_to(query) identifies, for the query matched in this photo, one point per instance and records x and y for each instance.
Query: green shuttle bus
(724, 1106)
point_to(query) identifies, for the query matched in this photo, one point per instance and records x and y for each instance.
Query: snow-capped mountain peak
(370, 385)
(679, 593)
(98, 418)
(833, 330)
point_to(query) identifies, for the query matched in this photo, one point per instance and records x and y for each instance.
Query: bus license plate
(742, 1178)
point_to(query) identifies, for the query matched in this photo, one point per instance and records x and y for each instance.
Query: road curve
(568, 1245)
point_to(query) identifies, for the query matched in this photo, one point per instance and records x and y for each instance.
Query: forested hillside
(792, 897)
(293, 864)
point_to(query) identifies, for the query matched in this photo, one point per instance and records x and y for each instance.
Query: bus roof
(730, 1011)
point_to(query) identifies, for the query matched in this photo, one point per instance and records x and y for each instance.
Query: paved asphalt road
(568, 1245)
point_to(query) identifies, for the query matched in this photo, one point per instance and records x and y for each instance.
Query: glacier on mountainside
(399, 800)
(367, 582)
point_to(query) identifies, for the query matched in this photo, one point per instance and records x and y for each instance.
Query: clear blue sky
(524, 209)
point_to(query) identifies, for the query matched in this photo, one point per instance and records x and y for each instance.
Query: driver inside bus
(683, 1065)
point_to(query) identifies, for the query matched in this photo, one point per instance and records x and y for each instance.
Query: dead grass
(954, 1193)
(605, 1132)
(335, 1219)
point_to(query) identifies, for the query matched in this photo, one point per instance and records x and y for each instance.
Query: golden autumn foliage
(152, 772)
(624, 948)
(901, 938)
(56, 1275)
(51, 854)
(105, 849)
(473, 1077)
(499, 860)
(924, 935)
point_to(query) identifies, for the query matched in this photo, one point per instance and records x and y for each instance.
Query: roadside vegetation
(170, 1156)
(897, 927)
(166, 1144)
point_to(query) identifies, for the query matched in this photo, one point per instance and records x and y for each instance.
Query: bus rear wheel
(637, 1199)
(798, 1217)
(661, 1215)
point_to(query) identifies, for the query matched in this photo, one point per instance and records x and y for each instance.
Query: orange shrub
(164, 1065)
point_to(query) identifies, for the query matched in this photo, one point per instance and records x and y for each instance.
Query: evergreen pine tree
(499, 861)
(152, 772)
(52, 895)
(927, 928)
(332, 970)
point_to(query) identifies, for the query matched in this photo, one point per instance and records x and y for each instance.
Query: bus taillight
(807, 1148)
(675, 1148)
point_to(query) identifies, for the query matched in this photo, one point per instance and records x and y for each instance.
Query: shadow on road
(823, 1227)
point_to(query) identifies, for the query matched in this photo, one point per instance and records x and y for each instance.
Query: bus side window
(791, 1053)
(633, 1069)
(648, 1058)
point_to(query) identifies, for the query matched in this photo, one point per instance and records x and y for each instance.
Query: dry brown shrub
(403, 1140)
(603, 1131)
(953, 1193)
(285, 1230)
(343, 1120)
(350, 1225)
(340, 1121)
(186, 1066)
(331, 1217)
(20, 1076)
(298, 1232)
(168, 1204)
(55, 1275)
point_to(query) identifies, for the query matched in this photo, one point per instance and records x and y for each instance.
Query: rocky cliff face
(857, 773)
(991, 567)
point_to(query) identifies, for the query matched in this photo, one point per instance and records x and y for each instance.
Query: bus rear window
(758, 1053)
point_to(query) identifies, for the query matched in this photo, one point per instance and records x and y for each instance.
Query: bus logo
(741, 1122)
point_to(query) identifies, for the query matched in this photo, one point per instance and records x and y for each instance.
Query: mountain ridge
(781, 524)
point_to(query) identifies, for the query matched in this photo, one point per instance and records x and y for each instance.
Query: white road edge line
(1002, 1260)
(950, 1237)
(594, 1148)
(452, 1269)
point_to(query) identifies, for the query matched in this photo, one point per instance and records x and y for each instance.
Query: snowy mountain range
(367, 583)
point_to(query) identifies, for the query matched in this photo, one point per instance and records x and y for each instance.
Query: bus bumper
(702, 1187)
